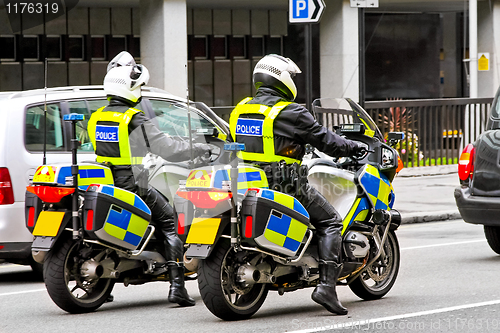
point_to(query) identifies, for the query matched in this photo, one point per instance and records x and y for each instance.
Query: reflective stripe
(113, 134)
(267, 135)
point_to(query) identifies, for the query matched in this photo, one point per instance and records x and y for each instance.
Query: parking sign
(305, 11)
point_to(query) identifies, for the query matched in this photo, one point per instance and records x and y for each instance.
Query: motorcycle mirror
(396, 136)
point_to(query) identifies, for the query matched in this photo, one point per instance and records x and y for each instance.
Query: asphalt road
(447, 283)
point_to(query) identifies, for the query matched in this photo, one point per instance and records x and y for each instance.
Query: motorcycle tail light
(248, 226)
(31, 217)
(181, 226)
(466, 162)
(89, 223)
(205, 199)
(50, 194)
(6, 190)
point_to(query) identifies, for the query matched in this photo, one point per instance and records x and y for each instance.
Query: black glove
(201, 149)
(359, 150)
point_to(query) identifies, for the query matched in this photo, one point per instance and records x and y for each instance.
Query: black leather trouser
(327, 222)
(162, 216)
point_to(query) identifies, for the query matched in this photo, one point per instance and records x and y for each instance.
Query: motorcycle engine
(356, 245)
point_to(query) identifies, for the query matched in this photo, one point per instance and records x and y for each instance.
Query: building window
(7, 48)
(274, 45)
(257, 47)
(237, 47)
(199, 47)
(134, 46)
(98, 45)
(30, 48)
(219, 47)
(75, 48)
(53, 47)
(116, 44)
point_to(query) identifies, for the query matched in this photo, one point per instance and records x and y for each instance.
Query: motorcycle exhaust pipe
(91, 270)
(250, 275)
(191, 264)
(39, 256)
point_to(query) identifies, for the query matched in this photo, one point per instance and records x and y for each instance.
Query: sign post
(361, 5)
(306, 11)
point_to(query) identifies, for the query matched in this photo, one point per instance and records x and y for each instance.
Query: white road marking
(368, 322)
(442, 244)
(22, 292)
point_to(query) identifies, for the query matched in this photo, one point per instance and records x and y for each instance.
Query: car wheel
(493, 237)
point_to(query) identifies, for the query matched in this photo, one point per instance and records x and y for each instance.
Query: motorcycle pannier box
(273, 221)
(115, 216)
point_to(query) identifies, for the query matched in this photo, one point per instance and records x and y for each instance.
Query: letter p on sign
(301, 9)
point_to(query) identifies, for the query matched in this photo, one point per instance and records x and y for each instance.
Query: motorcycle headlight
(389, 158)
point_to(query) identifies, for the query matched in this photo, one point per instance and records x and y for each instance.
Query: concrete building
(413, 49)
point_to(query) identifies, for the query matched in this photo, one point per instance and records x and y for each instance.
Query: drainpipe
(473, 48)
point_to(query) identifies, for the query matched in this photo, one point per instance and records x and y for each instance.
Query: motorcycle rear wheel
(65, 285)
(219, 290)
(376, 281)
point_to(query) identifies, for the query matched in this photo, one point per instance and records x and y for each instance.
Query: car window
(35, 128)
(86, 108)
(173, 118)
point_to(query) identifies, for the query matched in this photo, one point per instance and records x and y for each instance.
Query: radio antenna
(189, 120)
(45, 118)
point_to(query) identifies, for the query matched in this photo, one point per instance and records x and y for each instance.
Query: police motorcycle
(250, 239)
(89, 234)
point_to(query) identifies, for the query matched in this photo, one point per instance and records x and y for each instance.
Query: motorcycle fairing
(60, 174)
(377, 187)
(359, 211)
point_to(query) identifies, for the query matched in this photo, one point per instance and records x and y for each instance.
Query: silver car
(23, 119)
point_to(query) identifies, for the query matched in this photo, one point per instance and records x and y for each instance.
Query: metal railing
(436, 130)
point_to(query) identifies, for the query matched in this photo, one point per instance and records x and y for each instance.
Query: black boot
(178, 293)
(325, 293)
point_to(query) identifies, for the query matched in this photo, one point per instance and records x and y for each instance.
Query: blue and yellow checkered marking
(285, 200)
(126, 196)
(122, 224)
(284, 231)
(87, 175)
(377, 187)
(247, 178)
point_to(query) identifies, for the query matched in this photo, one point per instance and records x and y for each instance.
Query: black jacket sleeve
(308, 130)
(146, 137)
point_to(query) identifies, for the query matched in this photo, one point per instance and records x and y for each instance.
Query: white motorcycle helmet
(121, 59)
(276, 71)
(126, 82)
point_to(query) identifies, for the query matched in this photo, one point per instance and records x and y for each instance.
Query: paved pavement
(425, 194)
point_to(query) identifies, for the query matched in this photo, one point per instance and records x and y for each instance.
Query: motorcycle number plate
(203, 230)
(48, 223)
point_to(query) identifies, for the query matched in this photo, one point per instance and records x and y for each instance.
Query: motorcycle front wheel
(377, 279)
(64, 283)
(222, 294)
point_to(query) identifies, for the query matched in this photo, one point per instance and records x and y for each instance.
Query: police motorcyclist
(134, 136)
(275, 129)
